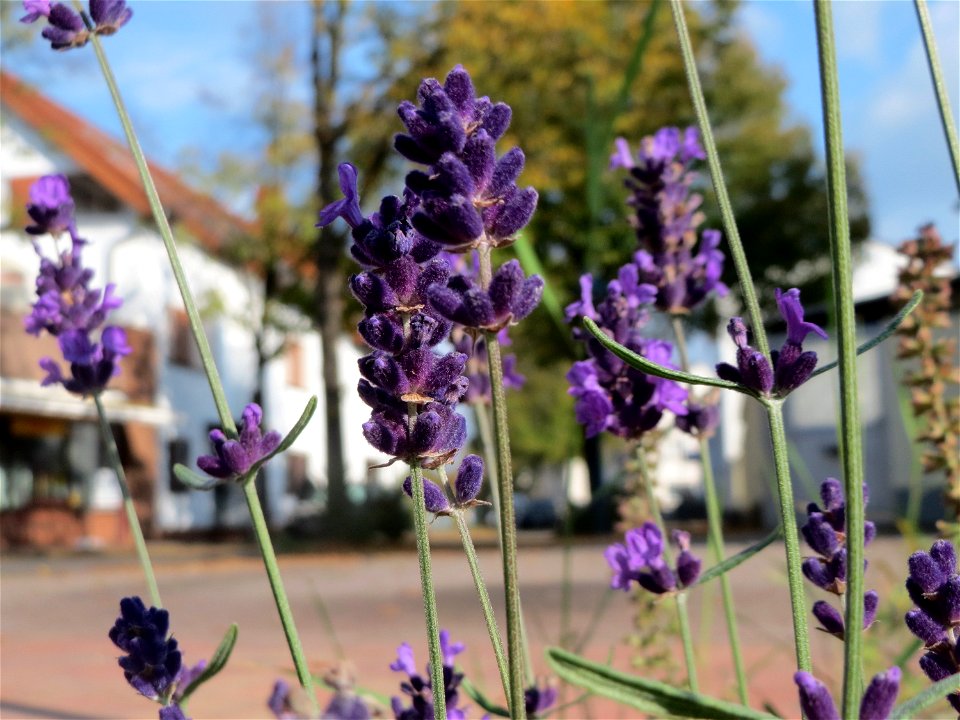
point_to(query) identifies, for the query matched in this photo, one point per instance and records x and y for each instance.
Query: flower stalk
(939, 86)
(715, 531)
(508, 525)
(683, 617)
(209, 367)
(128, 507)
(851, 451)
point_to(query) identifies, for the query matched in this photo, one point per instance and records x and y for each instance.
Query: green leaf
(530, 261)
(649, 696)
(731, 562)
(482, 700)
(217, 662)
(295, 431)
(888, 330)
(193, 480)
(641, 363)
(937, 691)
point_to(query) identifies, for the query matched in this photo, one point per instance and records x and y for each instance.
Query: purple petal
(829, 617)
(815, 699)
(792, 312)
(880, 696)
(469, 478)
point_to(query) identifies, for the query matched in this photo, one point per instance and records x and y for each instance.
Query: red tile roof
(109, 162)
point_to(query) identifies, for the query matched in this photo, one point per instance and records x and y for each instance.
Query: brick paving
(56, 662)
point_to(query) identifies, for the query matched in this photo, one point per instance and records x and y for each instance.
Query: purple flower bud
(688, 568)
(926, 572)
(36, 9)
(66, 29)
(925, 627)
(820, 536)
(944, 555)
(109, 15)
(51, 206)
(152, 662)
(469, 479)
(434, 499)
(830, 618)
(880, 696)
(815, 700)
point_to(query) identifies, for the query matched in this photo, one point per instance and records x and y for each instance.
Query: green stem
(791, 541)
(680, 599)
(262, 534)
(206, 355)
(488, 615)
(508, 527)
(159, 216)
(747, 289)
(429, 594)
(851, 448)
(715, 531)
(128, 506)
(939, 87)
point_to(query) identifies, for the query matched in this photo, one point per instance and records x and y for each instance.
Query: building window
(294, 359)
(178, 451)
(298, 484)
(182, 349)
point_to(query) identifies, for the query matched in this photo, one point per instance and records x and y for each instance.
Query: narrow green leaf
(641, 363)
(731, 562)
(937, 691)
(530, 261)
(482, 700)
(649, 696)
(295, 431)
(887, 331)
(191, 479)
(217, 662)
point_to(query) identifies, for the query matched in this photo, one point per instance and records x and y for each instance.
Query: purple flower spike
(434, 499)
(469, 479)
(791, 365)
(418, 688)
(640, 559)
(152, 662)
(815, 699)
(880, 695)
(235, 458)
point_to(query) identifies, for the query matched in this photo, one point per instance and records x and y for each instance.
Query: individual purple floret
(934, 587)
(152, 661)
(510, 298)
(235, 458)
(878, 699)
(186, 676)
(418, 688)
(109, 15)
(791, 367)
(67, 306)
(641, 559)
(538, 699)
(666, 219)
(469, 197)
(434, 498)
(36, 9)
(51, 206)
(610, 395)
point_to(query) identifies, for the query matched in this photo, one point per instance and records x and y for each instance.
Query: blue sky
(184, 69)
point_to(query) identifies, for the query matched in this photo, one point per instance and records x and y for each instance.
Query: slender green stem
(262, 534)
(850, 441)
(489, 449)
(939, 87)
(488, 616)
(747, 289)
(206, 356)
(128, 506)
(715, 531)
(429, 594)
(683, 617)
(159, 216)
(791, 541)
(508, 527)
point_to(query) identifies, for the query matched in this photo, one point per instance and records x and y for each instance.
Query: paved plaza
(58, 663)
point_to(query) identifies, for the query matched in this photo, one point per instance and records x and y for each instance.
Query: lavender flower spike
(152, 662)
(640, 559)
(791, 366)
(235, 458)
(418, 689)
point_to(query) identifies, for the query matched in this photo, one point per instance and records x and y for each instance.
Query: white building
(54, 489)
